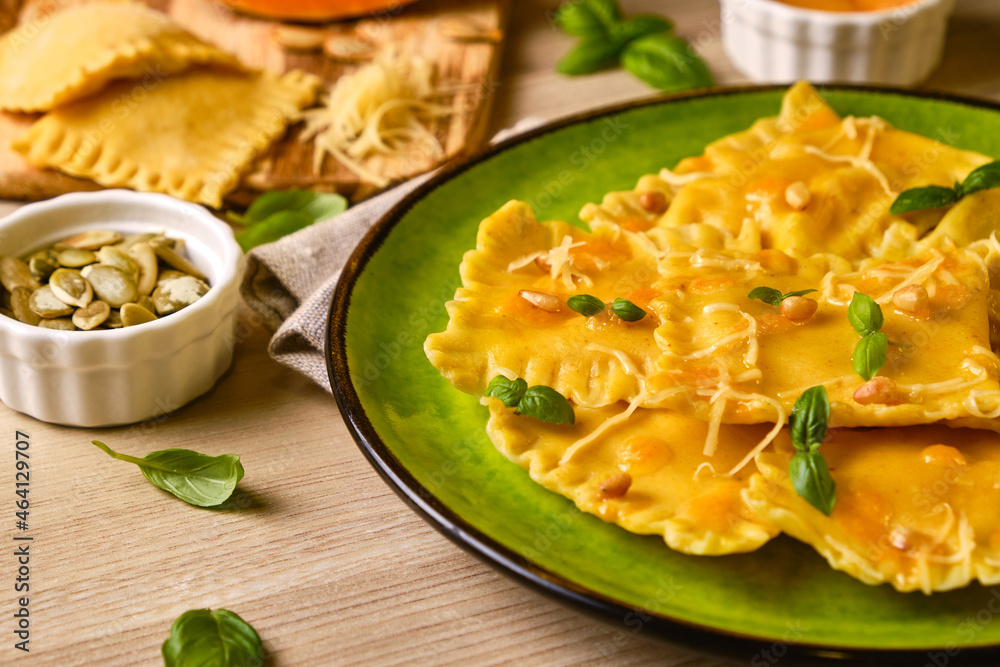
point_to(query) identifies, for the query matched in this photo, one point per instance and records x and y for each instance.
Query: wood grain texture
(319, 555)
(469, 67)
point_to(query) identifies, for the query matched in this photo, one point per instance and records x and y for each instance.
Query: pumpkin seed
(15, 273)
(94, 315)
(168, 274)
(131, 239)
(176, 293)
(146, 303)
(111, 285)
(70, 287)
(59, 323)
(133, 314)
(145, 260)
(42, 264)
(114, 320)
(47, 305)
(74, 258)
(7, 312)
(120, 260)
(177, 261)
(92, 240)
(20, 299)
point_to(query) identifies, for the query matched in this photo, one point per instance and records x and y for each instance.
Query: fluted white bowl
(127, 375)
(777, 43)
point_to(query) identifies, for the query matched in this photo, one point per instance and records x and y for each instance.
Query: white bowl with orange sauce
(896, 42)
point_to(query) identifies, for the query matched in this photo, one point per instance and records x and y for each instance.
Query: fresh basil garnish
(870, 354)
(774, 297)
(281, 212)
(932, 196)
(864, 314)
(510, 392)
(197, 479)
(666, 62)
(643, 44)
(585, 304)
(547, 404)
(808, 470)
(219, 638)
(539, 401)
(627, 310)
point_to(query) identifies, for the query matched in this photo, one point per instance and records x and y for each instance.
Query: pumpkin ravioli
(79, 49)
(190, 136)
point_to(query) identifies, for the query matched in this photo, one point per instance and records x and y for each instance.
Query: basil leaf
(801, 292)
(807, 423)
(271, 229)
(510, 392)
(640, 26)
(547, 404)
(197, 479)
(318, 206)
(590, 55)
(768, 295)
(917, 199)
(983, 178)
(864, 314)
(219, 638)
(586, 18)
(666, 62)
(870, 354)
(810, 476)
(585, 304)
(627, 310)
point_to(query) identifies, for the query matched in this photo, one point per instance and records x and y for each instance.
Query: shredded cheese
(384, 108)
(678, 180)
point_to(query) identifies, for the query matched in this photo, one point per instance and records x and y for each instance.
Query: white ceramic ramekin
(777, 43)
(121, 376)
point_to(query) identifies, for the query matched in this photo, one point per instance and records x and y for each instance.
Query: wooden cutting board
(425, 29)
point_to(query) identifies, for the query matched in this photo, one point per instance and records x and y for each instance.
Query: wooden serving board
(420, 29)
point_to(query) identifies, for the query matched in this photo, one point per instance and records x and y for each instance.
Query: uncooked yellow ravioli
(78, 50)
(916, 507)
(739, 360)
(647, 474)
(192, 136)
(495, 328)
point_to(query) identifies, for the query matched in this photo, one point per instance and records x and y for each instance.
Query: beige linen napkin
(289, 284)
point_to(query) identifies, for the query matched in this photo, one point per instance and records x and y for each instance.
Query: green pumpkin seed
(92, 240)
(114, 320)
(177, 261)
(94, 315)
(15, 273)
(133, 314)
(120, 260)
(59, 323)
(74, 258)
(149, 267)
(131, 239)
(111, 285)
(47, 305)
(42, 264)
(70, 287)
(177, 293)
(146, 303)
(20, 299)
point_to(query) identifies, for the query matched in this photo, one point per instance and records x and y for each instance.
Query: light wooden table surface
(321, 557)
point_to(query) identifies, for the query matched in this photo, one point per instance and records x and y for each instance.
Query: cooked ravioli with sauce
(645, 473)
(680, 418)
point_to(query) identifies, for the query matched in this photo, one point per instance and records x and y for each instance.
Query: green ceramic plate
(427, 439)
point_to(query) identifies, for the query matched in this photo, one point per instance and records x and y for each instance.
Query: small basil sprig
(933, 196)
(585, 304)
(539, 401)
(871, 351)
(219, 638)
(627, 310)
(281, 212)
(774, 297)
(808, 470)
(197, 479)
(643, 44)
